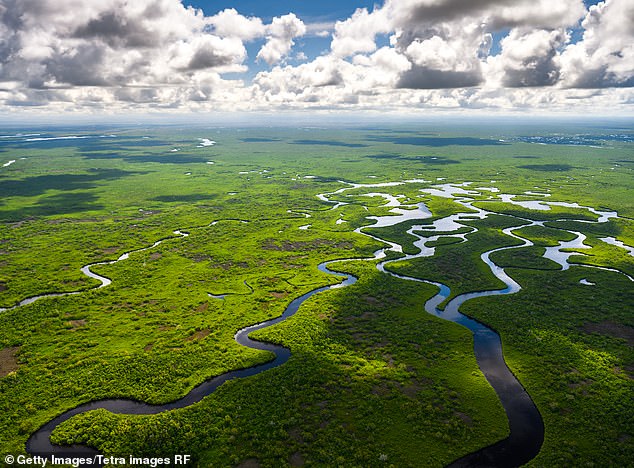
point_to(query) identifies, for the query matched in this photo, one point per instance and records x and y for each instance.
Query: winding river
(86, 270)
(525, 422)
(39, 443)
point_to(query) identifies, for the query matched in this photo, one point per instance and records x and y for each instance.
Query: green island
(204, 230)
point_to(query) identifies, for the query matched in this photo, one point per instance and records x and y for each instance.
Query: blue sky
(318, 10)
(118, 56)
(323, 10)
(311, 12)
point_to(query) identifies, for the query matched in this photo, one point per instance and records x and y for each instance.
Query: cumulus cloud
(497, 14)
(441, 45)
(110, 43)
(332, 81)
(528, 58)
(605, 55)
(280, 35)
(321, 72)
(142, 51)
(357, 33)
(206, 52)
(444, 55)
(449, 40)
(117, 30)
(230, 23)
(431, 78)
(162, 54)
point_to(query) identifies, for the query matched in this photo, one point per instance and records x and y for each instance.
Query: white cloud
(387, 59)
(497, 14)
(280, 35)
(321, 72)
(158, 54)
(528, 58)
(357, 33)
(114, 43)
(207, 52)
(605, 56)
(445, 55)
(230, 23)
(450, 48)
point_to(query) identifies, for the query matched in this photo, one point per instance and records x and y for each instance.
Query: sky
(410, 57)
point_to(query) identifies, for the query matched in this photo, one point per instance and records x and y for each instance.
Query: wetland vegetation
(372, 380)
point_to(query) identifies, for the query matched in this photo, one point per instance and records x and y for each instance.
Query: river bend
(525, 422)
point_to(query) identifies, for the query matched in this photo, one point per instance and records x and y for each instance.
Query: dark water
(525, 422)
(526, 426)
(39, 443)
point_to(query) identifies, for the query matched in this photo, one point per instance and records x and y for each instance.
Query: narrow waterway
(39, 443)
(86, 270)
(525, 422)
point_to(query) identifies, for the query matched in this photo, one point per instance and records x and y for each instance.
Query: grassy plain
(376, 381)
